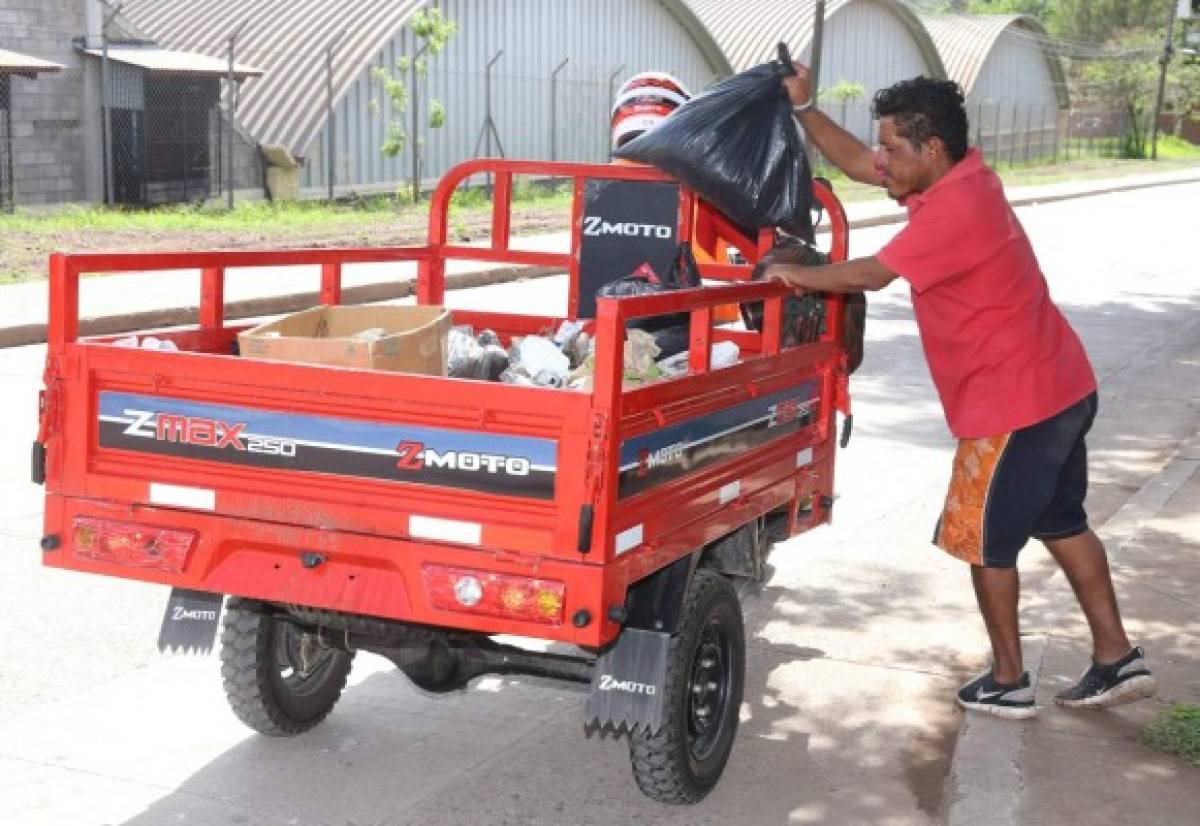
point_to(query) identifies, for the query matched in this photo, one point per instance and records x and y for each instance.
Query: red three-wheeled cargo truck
(329, 510)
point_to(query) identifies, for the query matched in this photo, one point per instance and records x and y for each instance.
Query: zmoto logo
(610, 683)
(416, 456)
(596, 226)
(204, 615)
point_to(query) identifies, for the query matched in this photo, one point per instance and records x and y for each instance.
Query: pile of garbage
(147, 343)
(566, 359)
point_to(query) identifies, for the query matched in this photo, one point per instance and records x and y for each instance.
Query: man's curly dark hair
(924, 108)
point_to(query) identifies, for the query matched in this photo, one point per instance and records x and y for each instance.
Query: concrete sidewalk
(1085, 767)
(132, 301)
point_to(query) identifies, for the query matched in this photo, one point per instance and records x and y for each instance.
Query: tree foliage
(433, 32)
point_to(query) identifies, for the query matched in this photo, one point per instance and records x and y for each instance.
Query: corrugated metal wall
(1014, 105)
(599, 36)
(867, 44)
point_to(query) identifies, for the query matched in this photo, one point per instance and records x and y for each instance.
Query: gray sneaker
(1104, 686)
(1012, 701)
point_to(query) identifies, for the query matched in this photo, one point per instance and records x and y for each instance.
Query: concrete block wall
(48, 120)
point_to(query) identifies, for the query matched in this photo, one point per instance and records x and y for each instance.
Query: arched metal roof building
(1014, 83)
(998, 57)
(295, 42)
(320, 57)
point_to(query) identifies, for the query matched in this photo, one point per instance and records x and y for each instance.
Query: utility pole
(1164, 62)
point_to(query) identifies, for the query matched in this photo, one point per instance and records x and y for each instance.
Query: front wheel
(706, 665)
(279, 679)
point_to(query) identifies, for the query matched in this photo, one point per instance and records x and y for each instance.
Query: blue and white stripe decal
(490, 463)
(663, 455)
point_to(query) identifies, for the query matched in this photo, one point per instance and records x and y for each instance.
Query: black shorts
(1006, 489)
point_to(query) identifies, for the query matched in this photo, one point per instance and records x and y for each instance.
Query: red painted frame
(250, 543)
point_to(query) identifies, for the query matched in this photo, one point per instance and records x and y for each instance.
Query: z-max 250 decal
(662, 455)
(506, 465)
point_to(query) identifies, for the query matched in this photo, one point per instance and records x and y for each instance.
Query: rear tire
(279, 679)
(706, 665)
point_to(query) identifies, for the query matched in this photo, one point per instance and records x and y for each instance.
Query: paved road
(857, 640)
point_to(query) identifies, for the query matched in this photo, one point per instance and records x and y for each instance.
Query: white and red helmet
(643, 102)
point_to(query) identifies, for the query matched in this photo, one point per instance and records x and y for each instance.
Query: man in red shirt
(1013, 378)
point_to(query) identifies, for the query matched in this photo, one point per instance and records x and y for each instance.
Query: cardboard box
(401, 339)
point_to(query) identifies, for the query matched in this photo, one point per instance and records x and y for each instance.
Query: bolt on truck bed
(371, 493)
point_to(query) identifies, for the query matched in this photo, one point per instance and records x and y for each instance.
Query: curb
(26, 334)
(985, 784)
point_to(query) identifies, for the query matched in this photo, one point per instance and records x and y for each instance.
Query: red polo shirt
(1002, 355)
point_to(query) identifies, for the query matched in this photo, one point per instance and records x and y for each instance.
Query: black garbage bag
(737, 145)
(804, 316)
(671, 332)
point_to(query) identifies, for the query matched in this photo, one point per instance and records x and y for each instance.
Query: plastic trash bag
(639, 365)
(804, 316)
(737, 145)
(537, 361)
(671, 332)
(723, 354)
(475, 357)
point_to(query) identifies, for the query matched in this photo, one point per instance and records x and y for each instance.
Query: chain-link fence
(1012, 133)
(164, 133)
(166, 137)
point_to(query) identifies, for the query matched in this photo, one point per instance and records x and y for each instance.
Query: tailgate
(394, 455)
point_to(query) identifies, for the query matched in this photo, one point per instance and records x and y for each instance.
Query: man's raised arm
(845, 151)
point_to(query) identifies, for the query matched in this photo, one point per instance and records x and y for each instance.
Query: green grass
(275, 216)
(1171, 148)
(1176, 731)
(189, 217)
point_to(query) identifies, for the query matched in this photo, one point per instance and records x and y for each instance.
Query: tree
(844, 93)
(1129, 83)
(429, 27)
(1098, 21)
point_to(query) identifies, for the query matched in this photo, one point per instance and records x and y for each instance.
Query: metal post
(1012, 137)
(979, 128)
(1042, 133)
(1028, 128)
(415, 116)
(491, 123)
(8, 194)
(329, 123)
(1067, 141)
(996, 128)
(554, 108)
(1057, 132)
(818, 40)
(105, 109)
(1164, 62)
(607, 125)
(229, 112)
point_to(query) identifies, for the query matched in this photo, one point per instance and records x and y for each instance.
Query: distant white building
(1014, 82)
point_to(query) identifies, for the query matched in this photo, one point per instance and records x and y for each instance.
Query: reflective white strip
(629, 539)
(730, 492)
(804, 457)
(202, 499)
(446, 530)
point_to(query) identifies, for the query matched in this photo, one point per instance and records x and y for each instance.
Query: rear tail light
(131, 544)
(495, 595)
